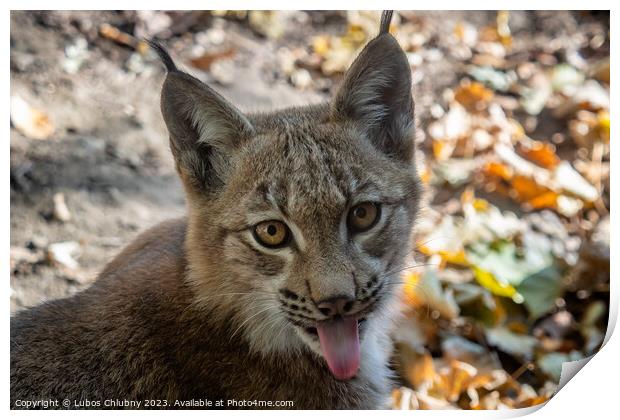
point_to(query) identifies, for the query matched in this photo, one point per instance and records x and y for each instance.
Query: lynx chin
(281, 282)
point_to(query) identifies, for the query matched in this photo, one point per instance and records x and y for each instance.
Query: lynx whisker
(252, 317)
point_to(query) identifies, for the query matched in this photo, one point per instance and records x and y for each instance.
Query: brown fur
(197, 308)
(152, 343)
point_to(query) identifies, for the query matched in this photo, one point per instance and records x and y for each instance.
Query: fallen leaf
(205, 61)
(601, 70)
(551, 363)
(474, 96)
(530, 192)
(534, 97)
(455, 172)
(62, 254)
(497, 80)
(421, 374)
(566, 79)
(457, 379)
(542, 154)
(540, 291)
(458, 348)
(61, 211)
(31, 122)
(490, 282)
(571, 181)
(116, 35)
(269, 23)
(426, 291)
(497, 169)
(514, 344)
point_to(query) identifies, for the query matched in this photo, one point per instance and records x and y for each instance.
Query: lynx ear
(376, 94)
(204, 128)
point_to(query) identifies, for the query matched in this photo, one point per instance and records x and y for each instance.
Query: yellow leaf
(480, 204)
(410, 289)
(489, 282)
(459, 30)
(454, 257)
(503, 30)
(442, 149)
(603, 125)
(321, 45)
(425, 250)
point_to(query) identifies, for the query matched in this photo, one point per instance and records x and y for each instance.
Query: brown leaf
(421, 374)
(205, 61)
(542, 154)
(474, 96)
(528, 191)
(114, 34)
(458, 378)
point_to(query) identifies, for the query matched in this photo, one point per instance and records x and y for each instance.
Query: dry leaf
(62, 254)
(474, 96)
(421, 374)
(31, 122)
(61, 211)
(542, 154)
(114, 34)
(205, 61)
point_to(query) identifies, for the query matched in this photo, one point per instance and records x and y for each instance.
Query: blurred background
(512, 244)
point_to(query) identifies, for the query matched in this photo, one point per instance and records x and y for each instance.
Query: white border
(592, 393)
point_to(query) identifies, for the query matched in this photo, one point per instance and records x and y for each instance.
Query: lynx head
(299, 220)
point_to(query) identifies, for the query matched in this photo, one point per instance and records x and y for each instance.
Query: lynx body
(282, 281)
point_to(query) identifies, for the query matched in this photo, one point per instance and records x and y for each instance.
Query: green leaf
(511, 343)
(527, 274)
(496, 79)
(551, 363)
(540, 290)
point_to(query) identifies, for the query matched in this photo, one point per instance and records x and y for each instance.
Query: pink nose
(339, 305)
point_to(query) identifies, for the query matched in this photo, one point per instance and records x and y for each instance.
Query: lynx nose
(339, 305)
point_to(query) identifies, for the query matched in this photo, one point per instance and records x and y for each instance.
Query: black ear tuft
(204, 128)
(163, 55)
(386, 19)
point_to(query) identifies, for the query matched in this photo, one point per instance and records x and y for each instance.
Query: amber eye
(272, 234)
(363, 216)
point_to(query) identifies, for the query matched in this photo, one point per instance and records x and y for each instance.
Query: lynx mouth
(313, 333)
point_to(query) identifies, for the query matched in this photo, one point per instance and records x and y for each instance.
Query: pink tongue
(341, 346)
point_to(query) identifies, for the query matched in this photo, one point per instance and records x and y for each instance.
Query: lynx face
(300, 220)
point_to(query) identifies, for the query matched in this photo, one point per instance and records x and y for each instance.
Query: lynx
(280, 284)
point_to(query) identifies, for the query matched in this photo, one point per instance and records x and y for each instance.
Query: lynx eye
(363, 216)
(272, 234)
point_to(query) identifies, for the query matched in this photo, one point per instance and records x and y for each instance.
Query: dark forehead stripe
(311, 172)
(308, 180)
